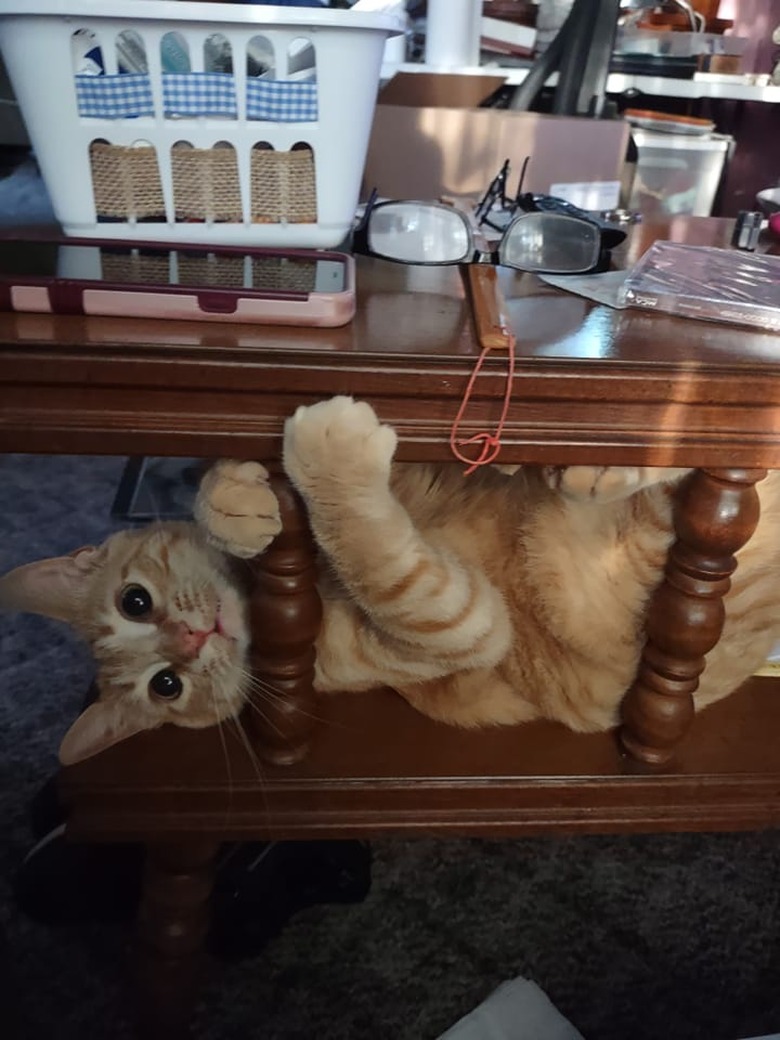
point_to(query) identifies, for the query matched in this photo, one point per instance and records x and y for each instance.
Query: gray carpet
(649, 938)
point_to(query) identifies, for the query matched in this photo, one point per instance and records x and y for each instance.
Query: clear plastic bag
(706, 282)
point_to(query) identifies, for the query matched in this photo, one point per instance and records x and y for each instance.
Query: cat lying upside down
(483, 600)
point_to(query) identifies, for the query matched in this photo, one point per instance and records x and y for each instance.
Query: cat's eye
(135, 601)
(166, 684)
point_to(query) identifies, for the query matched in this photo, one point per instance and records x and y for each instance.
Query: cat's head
(166, 623)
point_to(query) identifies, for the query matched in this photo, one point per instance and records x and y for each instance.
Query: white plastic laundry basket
(199, 122)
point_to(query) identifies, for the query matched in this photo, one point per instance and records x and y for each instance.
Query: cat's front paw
(607, 483)
(237, 507)
(337, 443)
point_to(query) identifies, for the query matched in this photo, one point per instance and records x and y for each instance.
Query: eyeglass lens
(550, 242)
(419, 233)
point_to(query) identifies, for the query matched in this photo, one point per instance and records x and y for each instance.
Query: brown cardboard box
(430, 139)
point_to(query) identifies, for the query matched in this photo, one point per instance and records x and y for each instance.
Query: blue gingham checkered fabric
(199, 94)
(281, 101)
(196, 94)
(114, 97)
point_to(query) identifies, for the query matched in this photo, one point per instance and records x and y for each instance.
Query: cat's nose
(191, 640)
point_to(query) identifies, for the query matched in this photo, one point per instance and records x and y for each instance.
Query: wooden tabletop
(593, 384)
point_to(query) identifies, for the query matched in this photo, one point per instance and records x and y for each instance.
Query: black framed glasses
(496, 209)
(434, 233)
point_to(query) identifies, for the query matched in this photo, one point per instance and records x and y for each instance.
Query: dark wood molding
(377, 767)
(563, 414)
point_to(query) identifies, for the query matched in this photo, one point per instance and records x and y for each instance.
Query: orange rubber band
(490, 442)
(493, 333)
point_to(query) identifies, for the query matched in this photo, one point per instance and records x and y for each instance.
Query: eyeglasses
(434, 233)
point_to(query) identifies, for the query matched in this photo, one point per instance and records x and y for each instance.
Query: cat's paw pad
(339, 441)
(607, 483)
(598, 483)
(237, 507)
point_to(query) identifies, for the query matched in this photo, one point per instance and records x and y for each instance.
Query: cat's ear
(53, 587)
(101, 725)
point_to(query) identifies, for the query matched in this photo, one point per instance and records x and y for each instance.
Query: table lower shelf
(377, 767)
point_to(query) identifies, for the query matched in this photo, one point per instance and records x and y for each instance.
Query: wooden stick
(488, 306)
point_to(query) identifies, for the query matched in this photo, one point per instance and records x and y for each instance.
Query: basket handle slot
(260, 58)
(131, 53)
(217, 54)
(301, 59)
(86, 53)
(175, 53)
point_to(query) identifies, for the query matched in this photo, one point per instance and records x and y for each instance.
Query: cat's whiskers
(268, 693)
(223, 742)
(263, 687)
(273, 697)
(255, 707)
(254, 682)
(253, 757)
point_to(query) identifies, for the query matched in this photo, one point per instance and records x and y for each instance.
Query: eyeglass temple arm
(496, 186)
(521, 181)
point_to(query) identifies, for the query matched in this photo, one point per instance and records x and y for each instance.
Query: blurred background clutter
(697, 82)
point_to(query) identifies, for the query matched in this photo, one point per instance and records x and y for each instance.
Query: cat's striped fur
(492, 598)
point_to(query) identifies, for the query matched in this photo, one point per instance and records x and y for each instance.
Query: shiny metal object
(747, 229)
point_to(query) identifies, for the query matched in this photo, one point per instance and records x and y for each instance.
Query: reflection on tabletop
(406, 310)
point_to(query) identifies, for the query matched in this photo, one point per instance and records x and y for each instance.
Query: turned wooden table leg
(715, 514)
(172, 924)
(285, 617)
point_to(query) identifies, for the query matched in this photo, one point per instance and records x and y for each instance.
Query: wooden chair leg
(285, 618)
(716, 513)
(172, 925)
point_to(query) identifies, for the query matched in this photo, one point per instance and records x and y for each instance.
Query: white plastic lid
(245, 14)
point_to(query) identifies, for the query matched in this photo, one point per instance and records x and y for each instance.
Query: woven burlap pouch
(283, 186)
(205, 184)
(126, 182)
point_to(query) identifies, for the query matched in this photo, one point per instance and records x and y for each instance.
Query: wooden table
(593, 385)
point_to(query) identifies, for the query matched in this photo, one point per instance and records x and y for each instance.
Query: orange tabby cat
(483, 600)
(491, 598)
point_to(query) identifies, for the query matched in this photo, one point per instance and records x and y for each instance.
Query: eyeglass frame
(477, 256)
(530, 202)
